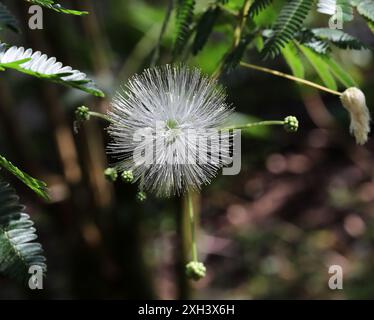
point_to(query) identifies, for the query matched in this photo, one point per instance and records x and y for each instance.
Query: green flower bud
(127, 176)
(111, 174)
(141, 196)
(82, 113)
(195, 270)
(291, 124)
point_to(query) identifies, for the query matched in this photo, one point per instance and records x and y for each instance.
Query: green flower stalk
(194, 269)
(290, 124)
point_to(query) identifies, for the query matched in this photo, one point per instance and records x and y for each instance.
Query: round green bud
(195, 270)
(127, 176)
(291, 124)
(111, 174)
(82, 113)
(141, 196)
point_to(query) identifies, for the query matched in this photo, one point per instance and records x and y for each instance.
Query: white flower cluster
(177, 104)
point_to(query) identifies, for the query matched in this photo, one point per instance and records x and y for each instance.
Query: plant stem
(255, 124)
(290, 77)
(242, 17)
(193, 227)
(100, 115)
(156, 53)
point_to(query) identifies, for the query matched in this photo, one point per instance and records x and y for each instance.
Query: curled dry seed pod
(354, 101)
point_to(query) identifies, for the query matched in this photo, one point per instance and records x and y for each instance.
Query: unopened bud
(111, 174)
(82, 113)
(291, 124)
(195, 270)
(141, 196)
(127, 176)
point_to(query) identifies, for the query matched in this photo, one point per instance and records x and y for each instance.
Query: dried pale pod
(354, 101)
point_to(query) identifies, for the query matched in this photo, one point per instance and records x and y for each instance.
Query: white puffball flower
(178, 104)
(354, 101)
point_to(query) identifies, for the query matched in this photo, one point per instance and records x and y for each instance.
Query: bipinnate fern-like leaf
(257, 6)
(321, 39)
(366, 9)
(332, 7)
(339, 38)
(285, 28)
(205, 28)
(184, 18)
(7, 19)
(18, 249)
(39, 187)
(50, 4)
(39, 65)
(232, 59)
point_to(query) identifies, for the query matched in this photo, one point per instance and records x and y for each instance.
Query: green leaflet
(343, 76)
(205, 28)
(366, 9)
(289, 53)
(339, 38)
(18, 251)
(288, 23)
(257, 6)
(50, 4)
(346, 8)
(39, 65)
(184, 17)
(39, 187)
(320, 66)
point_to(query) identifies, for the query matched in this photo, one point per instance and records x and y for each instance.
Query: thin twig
(156, 53)
(254, 124)
(193, 226)
(290, 77)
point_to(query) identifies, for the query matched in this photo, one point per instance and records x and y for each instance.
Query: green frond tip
(50, 4)
(205, 28)
(257, 6)
(7, 19)
(184, 18)
(41, 66)
(288, 23)
(18, 251)
(39, 187)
